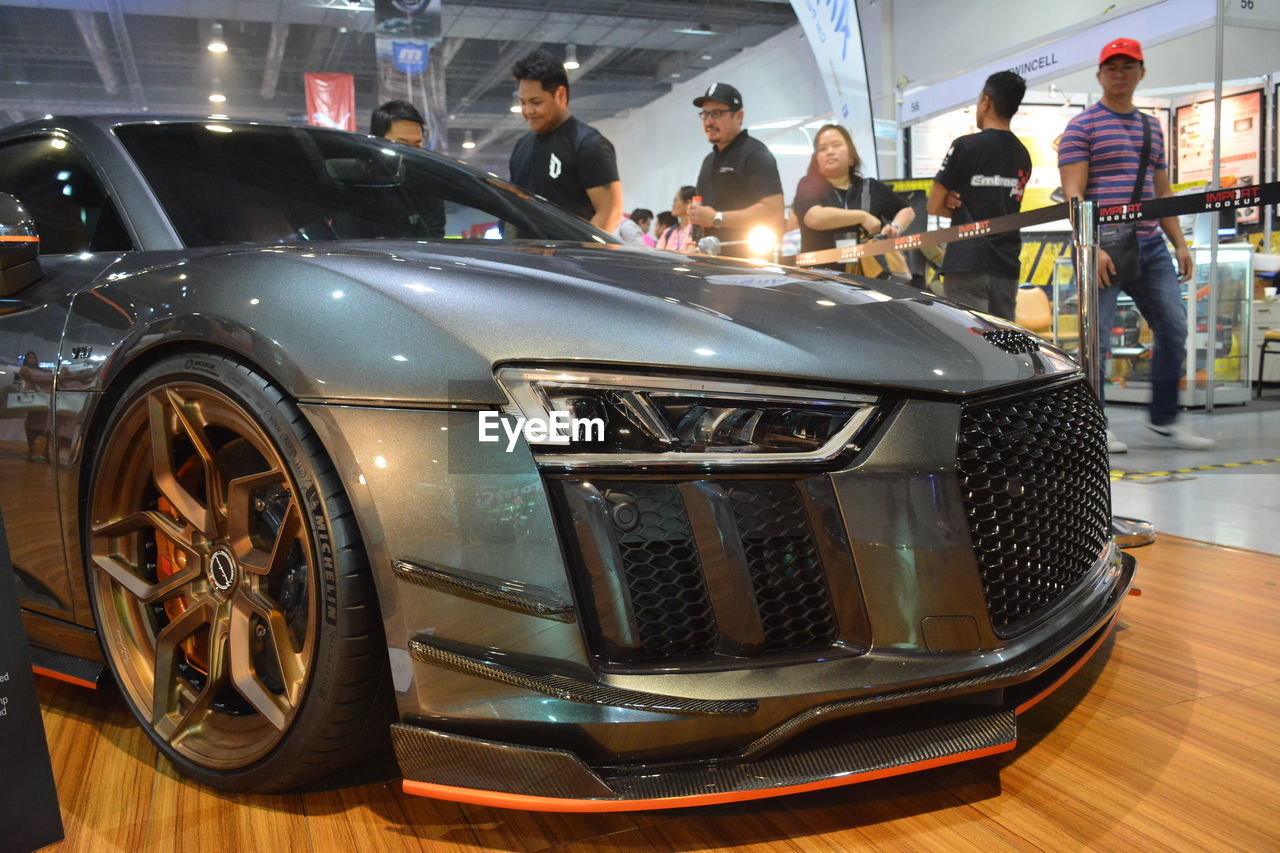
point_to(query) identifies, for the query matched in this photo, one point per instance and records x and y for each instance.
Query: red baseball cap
(1121, 47)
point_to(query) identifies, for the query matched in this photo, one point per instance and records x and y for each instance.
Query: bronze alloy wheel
(206, 535)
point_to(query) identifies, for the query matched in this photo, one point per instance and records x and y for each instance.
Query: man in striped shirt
(1099, 157)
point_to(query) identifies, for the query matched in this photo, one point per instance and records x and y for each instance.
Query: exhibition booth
(1235, 253)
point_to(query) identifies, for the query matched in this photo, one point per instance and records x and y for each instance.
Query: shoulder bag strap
(1146, 155)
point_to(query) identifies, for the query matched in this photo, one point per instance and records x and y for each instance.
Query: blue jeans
(1157, 295)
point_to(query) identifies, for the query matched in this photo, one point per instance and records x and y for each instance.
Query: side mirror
(19, 247)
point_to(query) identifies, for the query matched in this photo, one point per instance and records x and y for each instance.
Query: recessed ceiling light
(706, 57)
(468, 141)
(216, 43)
(571, 57)
(696, 30)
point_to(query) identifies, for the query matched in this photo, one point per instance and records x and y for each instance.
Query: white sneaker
(1115, 445)
(1174, 435)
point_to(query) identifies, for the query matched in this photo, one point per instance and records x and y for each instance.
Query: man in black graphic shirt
(565, 161)
(982, 177)
(738, 184)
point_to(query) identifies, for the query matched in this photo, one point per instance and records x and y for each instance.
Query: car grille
(786, 574)
(670, 605)
(699, 570)
(1035, 478)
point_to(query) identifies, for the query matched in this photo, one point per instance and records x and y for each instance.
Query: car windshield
(225, 183)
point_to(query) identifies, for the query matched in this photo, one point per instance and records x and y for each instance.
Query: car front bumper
(837, 743)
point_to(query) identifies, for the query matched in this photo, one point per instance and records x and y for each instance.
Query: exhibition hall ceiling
(103, 56)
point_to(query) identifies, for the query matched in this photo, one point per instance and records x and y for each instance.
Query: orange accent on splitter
(1075, 667)
(526, 802)
(18, 238)
(62, 676)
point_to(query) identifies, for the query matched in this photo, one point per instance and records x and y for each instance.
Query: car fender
(322, 335)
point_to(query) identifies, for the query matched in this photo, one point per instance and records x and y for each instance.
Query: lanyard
(844, 195)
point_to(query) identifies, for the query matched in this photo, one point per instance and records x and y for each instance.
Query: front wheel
(228, 580)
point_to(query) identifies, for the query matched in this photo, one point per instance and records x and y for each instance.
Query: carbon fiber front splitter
(486, 772)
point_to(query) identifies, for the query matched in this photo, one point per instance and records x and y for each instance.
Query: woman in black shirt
(836, 206)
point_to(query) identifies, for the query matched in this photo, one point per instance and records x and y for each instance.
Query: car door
(81, 235)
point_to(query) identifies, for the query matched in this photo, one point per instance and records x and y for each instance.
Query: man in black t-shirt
(738, 182)
(565, 161)
(398, 121)
(982, 177)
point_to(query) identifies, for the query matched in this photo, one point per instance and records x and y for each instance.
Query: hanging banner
(29, 812)
(407, 38)
(1151, 25)
(835, 37)
(331, 100)
(1242, 144)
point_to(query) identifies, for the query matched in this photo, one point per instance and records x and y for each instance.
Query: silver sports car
(320, 443)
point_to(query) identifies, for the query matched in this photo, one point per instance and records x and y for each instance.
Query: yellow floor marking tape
(1122, 474)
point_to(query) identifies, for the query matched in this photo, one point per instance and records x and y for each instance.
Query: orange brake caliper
(171, 559)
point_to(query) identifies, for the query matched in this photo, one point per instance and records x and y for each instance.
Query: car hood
(573, 303)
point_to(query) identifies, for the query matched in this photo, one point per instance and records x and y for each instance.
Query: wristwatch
(717, 221)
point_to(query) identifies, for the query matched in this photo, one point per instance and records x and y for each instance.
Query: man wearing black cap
(738, 184)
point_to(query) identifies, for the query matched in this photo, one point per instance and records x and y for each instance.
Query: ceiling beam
(124, 46)
(449, 50)
(87, 24)
(275, 59)
(502, 66)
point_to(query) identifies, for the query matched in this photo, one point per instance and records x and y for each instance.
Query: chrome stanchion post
(1084, 227)
(1128, 532)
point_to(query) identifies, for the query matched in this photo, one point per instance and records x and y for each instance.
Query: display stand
(1128, 532)
(29, 815)
(1223, 344)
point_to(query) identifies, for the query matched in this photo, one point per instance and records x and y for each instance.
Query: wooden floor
(1169, 739)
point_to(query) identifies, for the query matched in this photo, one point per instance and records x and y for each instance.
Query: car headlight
(599, 418)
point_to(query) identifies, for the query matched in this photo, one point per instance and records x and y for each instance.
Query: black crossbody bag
(1121, 241)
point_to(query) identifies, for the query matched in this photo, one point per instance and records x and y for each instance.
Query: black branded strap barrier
(1181, 205)
(29, 815)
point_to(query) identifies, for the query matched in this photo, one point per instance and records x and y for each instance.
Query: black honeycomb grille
(1012, 341)
(1037, 493)
(670, 606)
(786, 574)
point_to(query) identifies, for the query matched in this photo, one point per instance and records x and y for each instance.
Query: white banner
(1254, 14)
(832, 30)
(1150, 25)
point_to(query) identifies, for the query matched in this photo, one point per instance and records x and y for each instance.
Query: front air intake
(689, 571)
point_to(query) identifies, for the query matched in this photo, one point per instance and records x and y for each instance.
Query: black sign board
(29, 816)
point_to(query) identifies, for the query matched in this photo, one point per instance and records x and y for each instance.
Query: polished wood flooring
(1169, 739)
